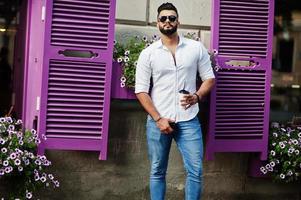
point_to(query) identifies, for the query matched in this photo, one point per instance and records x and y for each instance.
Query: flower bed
(20, 166)
(284, 160)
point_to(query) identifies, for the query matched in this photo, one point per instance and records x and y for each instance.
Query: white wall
(138, 17)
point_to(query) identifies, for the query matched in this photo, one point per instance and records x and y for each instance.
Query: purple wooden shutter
(76, 75)
(242, 32)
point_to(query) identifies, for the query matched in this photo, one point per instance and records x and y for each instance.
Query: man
(173, 62)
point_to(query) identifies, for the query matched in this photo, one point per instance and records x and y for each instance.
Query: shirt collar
(181, 42)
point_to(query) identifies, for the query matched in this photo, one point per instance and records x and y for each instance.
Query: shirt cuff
(139, 89)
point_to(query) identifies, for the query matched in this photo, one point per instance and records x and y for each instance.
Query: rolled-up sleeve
(204, 64)
(143, 73)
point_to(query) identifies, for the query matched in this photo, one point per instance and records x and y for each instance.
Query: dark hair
(167, 6)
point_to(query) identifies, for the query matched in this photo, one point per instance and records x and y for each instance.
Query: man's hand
(163, 125)
(188, 100)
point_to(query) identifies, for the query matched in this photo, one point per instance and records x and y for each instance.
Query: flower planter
(118, 92)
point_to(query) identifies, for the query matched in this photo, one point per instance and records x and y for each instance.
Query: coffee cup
(181, 96)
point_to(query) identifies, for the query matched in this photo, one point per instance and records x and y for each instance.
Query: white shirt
(169, 77)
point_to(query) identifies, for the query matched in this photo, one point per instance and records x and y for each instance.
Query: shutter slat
(68, 111)
(237, 123)
(95, 4)
(72, 79)
(74, 35)
(83, 7)
(79, 11)
(82, 137)
(72, 132)
(81, 16)
(237, 128)
(84, 31)
(250, 3)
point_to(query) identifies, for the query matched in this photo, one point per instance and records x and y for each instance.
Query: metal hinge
(38, 103)
(43, 13)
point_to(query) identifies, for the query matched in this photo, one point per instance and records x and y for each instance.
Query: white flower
(8, 119)
(155, 37)
(11, 127)
(37, 162)
(4, 150)
(268, 166)
(272, 164)
(37, 141)
(42, 157)
(8, 169)
(26, 162)
(264, 171)
(291, 150)
(28, 195)
(19, 122)
(33, 131)
(299, 135)
(289, 173)
(2, 141)
(282, 176)
(20, 168)
(295, 142)
(19, 134)
(127, 52)
(275, 134)
(17, 162)
(13, 156)
(283, 129)
(119, 60)
(282, 145)
(122, 85)
(273, 153)
(5, 163)
(50, 176)
(144, 38)
(57, 184)
(43, 179)
(122, 79)
(297, 152)
(2, 172)
(126, 59)
(44, 137)
(2, 119)
(21, 142)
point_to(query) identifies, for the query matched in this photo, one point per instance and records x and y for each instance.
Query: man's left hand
(188, 100)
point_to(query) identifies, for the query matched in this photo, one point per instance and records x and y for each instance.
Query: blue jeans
(188, 136)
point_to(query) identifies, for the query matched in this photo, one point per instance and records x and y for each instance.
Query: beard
(168, 32)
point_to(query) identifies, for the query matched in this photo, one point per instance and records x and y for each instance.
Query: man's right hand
(163, 125)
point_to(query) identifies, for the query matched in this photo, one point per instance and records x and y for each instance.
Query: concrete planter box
(118, 92)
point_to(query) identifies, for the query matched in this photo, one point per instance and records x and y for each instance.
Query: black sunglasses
(171, 18)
